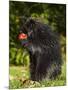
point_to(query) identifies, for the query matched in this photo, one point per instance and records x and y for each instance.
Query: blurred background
(52, 14)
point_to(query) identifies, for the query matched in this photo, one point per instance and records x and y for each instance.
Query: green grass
(19, 78)
(18, 71)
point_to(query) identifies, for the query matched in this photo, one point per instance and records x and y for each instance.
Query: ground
(19, 78)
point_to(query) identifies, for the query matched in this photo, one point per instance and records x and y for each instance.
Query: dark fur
(43, 46)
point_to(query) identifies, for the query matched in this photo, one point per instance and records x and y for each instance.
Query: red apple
(22, 36)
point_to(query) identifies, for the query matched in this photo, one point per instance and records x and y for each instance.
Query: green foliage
(17, 57)
(52, 14)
